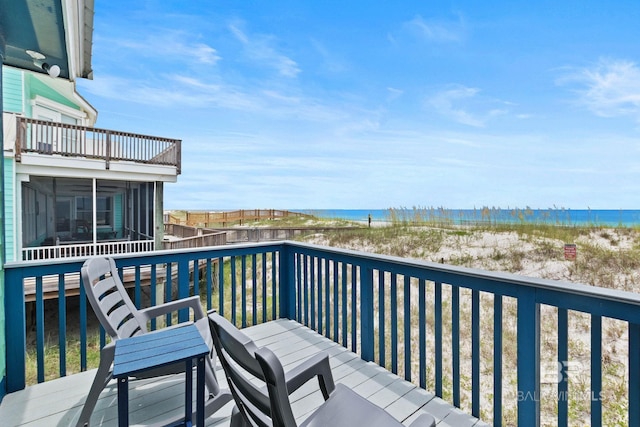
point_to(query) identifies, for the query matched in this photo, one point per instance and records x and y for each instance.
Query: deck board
(59, 402)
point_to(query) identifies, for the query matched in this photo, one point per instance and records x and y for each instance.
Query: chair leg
(237, 420)
(102, 378)
(217, 397)
(211, 382)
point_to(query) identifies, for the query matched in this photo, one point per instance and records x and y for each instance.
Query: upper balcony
(506, 349)
(67, 141)
(84, 191)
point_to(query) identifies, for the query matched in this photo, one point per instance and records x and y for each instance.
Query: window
(46, 109)
(63, 215)
(104, 210)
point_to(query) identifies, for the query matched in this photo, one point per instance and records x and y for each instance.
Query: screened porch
(65, 217)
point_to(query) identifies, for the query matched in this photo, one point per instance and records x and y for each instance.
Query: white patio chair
(121, 319)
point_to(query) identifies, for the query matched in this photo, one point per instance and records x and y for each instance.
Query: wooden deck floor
(58, 402)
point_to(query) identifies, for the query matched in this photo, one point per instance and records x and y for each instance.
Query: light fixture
(52, 70)
(38, 60)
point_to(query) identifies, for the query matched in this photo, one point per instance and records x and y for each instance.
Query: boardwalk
(51, 285)
(58, 402)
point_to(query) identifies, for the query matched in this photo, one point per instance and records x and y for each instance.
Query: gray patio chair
(266, 402)
(121, 319)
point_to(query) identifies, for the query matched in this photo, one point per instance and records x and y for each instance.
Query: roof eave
(79, 21)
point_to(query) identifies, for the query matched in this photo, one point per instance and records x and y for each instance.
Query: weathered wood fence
(242, 216)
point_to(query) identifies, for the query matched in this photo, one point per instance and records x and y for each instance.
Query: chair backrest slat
(129, 328)
(104, 287)
(109, 299)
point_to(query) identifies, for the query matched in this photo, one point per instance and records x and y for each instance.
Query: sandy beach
(512, 252)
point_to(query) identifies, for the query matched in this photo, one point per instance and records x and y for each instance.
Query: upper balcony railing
(49, 138)
(505, 348)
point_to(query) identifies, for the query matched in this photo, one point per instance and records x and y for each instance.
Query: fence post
(16, 341)
(366, 313)
(286, 285)
(528, 358)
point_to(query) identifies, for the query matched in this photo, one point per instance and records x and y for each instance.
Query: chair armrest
(317, 365)
(424, 420)
(171, 306)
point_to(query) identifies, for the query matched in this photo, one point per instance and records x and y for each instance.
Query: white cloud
(445, 102)
(465, 105)
(172, 46)
(331, 62)
(260, 48)
(436, 31)
(180, 90)
(204, 54)
(610, 88)
(394, 93)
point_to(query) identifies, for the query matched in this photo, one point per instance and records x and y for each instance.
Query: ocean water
(562, 217)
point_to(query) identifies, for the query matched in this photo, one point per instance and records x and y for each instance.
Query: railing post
(107, 154)
(179, 156)
(183, 285)
(16, 341)
(21, 136)
(366, 313)
(286, 285)
(634, 374)
(528, 358)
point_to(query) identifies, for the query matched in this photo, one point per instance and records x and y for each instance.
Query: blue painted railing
(445, 328)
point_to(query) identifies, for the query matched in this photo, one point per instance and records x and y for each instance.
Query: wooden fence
(191, 237)
(222, 219)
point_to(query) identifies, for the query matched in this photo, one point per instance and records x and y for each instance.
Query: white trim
(73, 36)
(35, 164)
(154, 214)
(94, 216)
(78, 22)
(17, 213)
(9, 133)
(40, 101)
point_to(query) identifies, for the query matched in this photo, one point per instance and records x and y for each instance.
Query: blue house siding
(12, 85)
(37, 87)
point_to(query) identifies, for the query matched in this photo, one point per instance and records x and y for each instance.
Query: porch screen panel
(28, 215)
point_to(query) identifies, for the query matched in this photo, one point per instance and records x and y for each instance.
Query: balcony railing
(477, 339)
(70, 250)
(49, 138)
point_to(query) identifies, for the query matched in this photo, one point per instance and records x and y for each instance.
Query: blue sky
(378, 104)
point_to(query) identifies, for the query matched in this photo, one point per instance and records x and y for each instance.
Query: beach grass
(607, 257)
